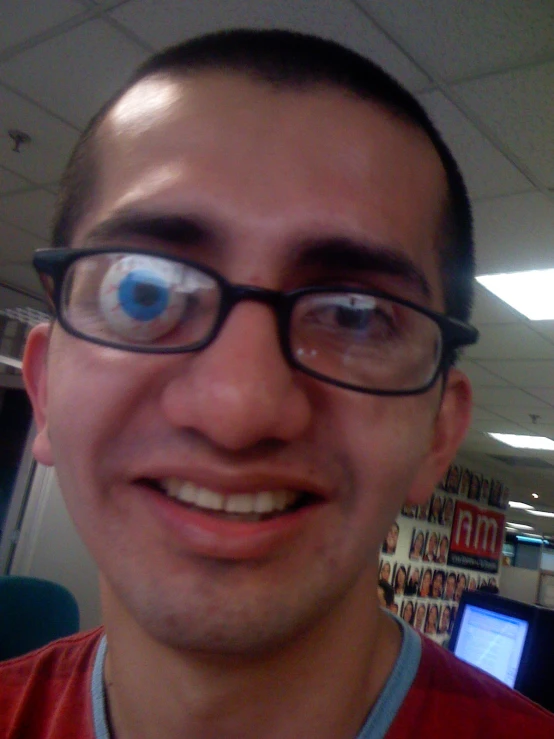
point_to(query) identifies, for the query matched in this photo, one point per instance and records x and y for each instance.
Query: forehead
(271, 165)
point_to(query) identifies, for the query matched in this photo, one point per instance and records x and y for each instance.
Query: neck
(321, 683)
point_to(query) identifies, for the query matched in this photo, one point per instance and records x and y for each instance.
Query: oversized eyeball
(139, 299)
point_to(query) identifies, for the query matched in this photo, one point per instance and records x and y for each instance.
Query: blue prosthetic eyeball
(138, 297)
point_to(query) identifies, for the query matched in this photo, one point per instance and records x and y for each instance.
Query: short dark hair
(288, 59)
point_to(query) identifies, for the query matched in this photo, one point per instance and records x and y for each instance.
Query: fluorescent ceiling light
(517, 504)
(520, 526)
(542, 514)
(528, 292)
(519, 441)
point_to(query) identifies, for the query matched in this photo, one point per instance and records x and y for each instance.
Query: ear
(449, 429)
(35, 376)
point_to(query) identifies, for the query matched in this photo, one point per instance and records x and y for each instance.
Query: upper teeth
(263, 502)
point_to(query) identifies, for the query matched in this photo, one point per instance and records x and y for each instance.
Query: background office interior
(484, 69)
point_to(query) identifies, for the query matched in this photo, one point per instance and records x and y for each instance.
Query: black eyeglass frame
(52, 266)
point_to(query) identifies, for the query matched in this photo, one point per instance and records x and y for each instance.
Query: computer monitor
(510, 640)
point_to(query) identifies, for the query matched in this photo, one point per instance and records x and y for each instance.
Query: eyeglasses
(141, 301)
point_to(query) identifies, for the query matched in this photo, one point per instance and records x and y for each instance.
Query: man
(250, 372)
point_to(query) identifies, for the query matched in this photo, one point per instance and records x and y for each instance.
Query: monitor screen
(492, 641)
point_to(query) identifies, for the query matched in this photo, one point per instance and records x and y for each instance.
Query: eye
(357, 315)
(139, 298)
(354, 314)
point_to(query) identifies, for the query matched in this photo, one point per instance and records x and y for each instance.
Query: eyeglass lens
(140, 300)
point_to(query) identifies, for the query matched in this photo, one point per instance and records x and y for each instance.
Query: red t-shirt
(47, 695)
(449, 698)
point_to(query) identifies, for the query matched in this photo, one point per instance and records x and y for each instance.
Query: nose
(239, 390)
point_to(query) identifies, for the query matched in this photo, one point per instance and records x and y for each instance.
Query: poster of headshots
(472, 485)
(433, 619)
(414, 554)
(430, 600)
(439, 510)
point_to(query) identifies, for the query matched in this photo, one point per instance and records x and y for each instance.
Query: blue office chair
(33, 613)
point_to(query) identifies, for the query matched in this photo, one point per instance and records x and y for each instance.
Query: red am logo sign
(477, 536)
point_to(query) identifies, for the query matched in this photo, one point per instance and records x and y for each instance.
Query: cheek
(383, 441)
(93, 395)
(81, 399)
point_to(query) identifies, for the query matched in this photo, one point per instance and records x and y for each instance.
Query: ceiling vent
(530, 462)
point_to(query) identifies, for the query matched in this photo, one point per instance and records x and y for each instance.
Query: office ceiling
(483, 69)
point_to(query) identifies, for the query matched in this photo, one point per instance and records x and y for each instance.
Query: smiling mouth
(246, 507)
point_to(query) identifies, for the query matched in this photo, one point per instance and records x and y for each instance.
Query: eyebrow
(172, 229)
(331, 254)
(344, 254)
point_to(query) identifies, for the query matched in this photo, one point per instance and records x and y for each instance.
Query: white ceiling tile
(545, 328)
(17, 23)
(10, 182)
(496, 425)
(17, 245)
(524, 374)
(483, 414)
(44, 158)
(493, 398)
(12, 299)
(486, 170)
(521, 414)
(103, 4)
(515, 232)
(510, 341)
(477, 442)
(541, 428)
(25, 277)
(75, 73)
(31, 211)
(545, 394)
(488, 308)
(16, 249)
(479, 376)
(459, 39)
(164, 22)
(519, 108)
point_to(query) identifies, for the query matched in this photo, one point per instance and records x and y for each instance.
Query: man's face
(450, 587)
(273, 184)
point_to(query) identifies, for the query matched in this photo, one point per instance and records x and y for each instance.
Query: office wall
(49, 547)
(519, 584)
(528, 556)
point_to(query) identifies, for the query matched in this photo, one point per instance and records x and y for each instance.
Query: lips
(244, 506)
(246, 518)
